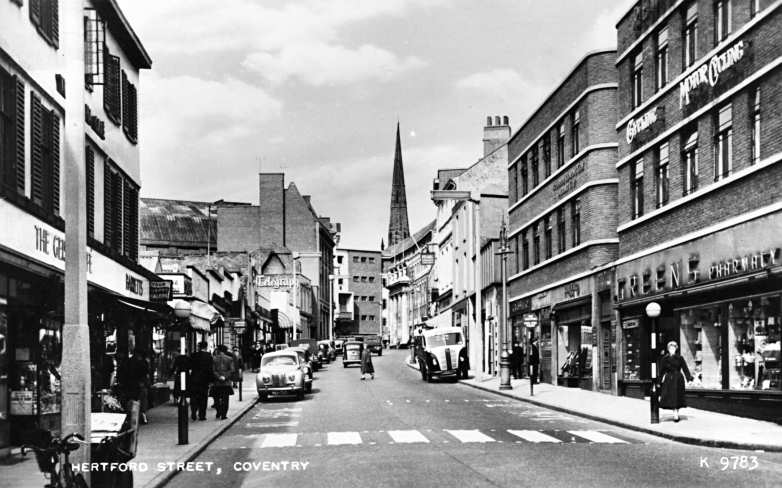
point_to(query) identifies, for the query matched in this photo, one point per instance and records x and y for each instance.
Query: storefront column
(554, 347)
(597, 341)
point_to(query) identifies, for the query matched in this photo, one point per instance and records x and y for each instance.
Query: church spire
(398, 227)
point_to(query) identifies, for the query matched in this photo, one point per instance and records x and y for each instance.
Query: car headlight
(291, 376)
(434, 359)
(266, 378)
(461, 359)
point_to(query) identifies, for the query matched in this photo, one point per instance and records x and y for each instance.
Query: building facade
(359, 292)
(32, 180)
(562, 226)
(699, 152)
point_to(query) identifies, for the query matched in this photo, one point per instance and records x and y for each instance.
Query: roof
(176, 223)
(124, 34)
(406, 244)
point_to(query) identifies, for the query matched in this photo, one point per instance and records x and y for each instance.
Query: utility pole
(75, 367)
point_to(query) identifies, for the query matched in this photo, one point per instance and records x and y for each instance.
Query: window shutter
(20, 133)
(90, 170)
(54, 121)
(116, 212)
(126, 216)
(35, 12)
(107, 208)
(54, 28)
(111, 87)
(133, 96)
(125, 103)
(132, 205)
(36, 156)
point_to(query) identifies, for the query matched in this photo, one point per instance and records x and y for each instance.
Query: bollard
(241, 378)
(505, 370)
(182, 410)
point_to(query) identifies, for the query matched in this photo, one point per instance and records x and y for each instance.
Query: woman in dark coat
(366, 364)
(673, 371)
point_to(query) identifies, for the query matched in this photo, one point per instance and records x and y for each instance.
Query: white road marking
(533, 436)
(338, 438)
(466, 436)
(261, 425)
(596, 436)
(407, 436)
(279, 440)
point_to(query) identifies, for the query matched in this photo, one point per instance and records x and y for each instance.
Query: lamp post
(503, 251)
(653, 311)
(331, 309)
(182, 311)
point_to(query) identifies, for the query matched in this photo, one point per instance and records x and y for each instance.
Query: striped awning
(284, 321)
(202, 315)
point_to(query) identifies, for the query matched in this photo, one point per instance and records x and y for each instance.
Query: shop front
(721, 300)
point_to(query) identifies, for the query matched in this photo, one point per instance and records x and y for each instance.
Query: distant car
(280, 347)
(351, 353)
(338, 343)
(441, 353)
(375, 344)
(311, 346)
(281, 374)
(326, 351)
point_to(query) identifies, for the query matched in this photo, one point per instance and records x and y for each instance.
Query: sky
(314, 89)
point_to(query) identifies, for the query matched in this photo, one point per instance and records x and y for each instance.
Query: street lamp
(331, 309)
(182, 310)
(503, 251)
(653, 311)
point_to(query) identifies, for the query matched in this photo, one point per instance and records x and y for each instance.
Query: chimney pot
(497, 120)
(488, 121)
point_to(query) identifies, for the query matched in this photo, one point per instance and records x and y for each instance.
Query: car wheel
(300, 395)
(308, 388)
(422, 368)
(380, 352)
(262, 397)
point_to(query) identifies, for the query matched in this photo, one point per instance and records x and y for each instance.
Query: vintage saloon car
(441, 353)
(282, 373)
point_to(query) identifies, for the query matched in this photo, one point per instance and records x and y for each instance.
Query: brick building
(359, 292)
(562, 231)
(700, 141)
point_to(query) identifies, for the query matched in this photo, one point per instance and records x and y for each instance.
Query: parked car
(441, 353)
(338, 344)
(311, 346)
(281, 374)
(280, 347)
(351, 353)
(307, 367)
(374, 343)
(325, 351)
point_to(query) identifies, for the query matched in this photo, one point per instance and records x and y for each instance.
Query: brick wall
(271, 200)
(365, 289)
(238, 228)
(300, 223)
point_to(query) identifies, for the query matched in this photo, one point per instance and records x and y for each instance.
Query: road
(397, 430)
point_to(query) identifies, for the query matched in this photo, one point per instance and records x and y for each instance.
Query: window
(663, 175)
(690, 159)
(755, 121)
(355, 259)
(44, 156)
(340, 281)
(45, 16)
(371, 260)
(722, 20)
(363, 317)
(638, 79)
(524, 250)
(513, 184)
(561, 145)
(535, 243)
(662, 58)
(524, 177)
(517, 261)
(363, 259)
(561, 233)
(371, 298)
(546, 148)
(112, 89)
(339, 259)
(575, 132)
(120, 203)
(534, 165)
(754, 8)
(90, 168)
(637, 188)
(575, 224)
(691, 35)
(363, 279)
(547, 235)
(371, 279)
(356, 279)
(723, 144)
(12, 158)
(372, 318)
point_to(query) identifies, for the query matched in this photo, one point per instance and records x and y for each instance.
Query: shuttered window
(111, 87)
(90, 170)
(45, 156)
(129, 109)
(132, 222)
(36, 150)
(107, 202)
(45, 16)
(11, 133)
(116, 212)
(126, 218)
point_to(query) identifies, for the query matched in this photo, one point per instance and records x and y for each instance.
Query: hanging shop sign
(160, 291)
(709, 72)
(181, 284)
(530, 320)
(275, 281)
(636, 126)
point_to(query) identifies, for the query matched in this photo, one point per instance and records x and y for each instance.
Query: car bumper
(352, 361)
(280, 390)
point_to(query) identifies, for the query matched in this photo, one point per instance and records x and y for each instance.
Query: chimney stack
(495, 135)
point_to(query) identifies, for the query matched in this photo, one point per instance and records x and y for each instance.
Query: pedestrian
(238, 366)
(223, 375)
(366, 364)
(674, 370)
(464, 364)
(201, 374)
(517, 360)
(534, 360)
(137, 382)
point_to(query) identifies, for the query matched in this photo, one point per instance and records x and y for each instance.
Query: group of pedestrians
(517, 360)
(208, 375)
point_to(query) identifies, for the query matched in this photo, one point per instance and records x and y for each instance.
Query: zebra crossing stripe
(533, 436)
(466, 436)
(596, 436)
(338, 438)
(407, 436)
(279, 440)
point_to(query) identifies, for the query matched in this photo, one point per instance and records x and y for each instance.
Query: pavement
(157, 443)
(697, 427)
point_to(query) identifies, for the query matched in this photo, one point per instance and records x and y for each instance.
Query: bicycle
(52, 455)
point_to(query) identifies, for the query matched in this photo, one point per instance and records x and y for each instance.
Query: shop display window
(575, 350)
(754, 343)
(631, 350)
(701, 345)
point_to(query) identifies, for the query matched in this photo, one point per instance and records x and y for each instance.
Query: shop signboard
(275, 281)
(160, 291)
(708, 74)
(530, 320)
(518, 307)
(44, 243)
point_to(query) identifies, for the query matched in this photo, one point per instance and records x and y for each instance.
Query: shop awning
(202, 315)
(284, 321)
(443, 319)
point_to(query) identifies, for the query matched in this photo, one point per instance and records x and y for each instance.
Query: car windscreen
(353, 347)
(450, 339)
(278, 361)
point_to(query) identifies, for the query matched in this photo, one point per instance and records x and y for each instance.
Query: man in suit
(534, 360)
(201, 375)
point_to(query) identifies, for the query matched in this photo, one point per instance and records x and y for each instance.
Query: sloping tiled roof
(177, 223)
(404, 245)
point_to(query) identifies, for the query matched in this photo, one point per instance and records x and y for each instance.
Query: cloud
(503, 88)
(322, 64)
